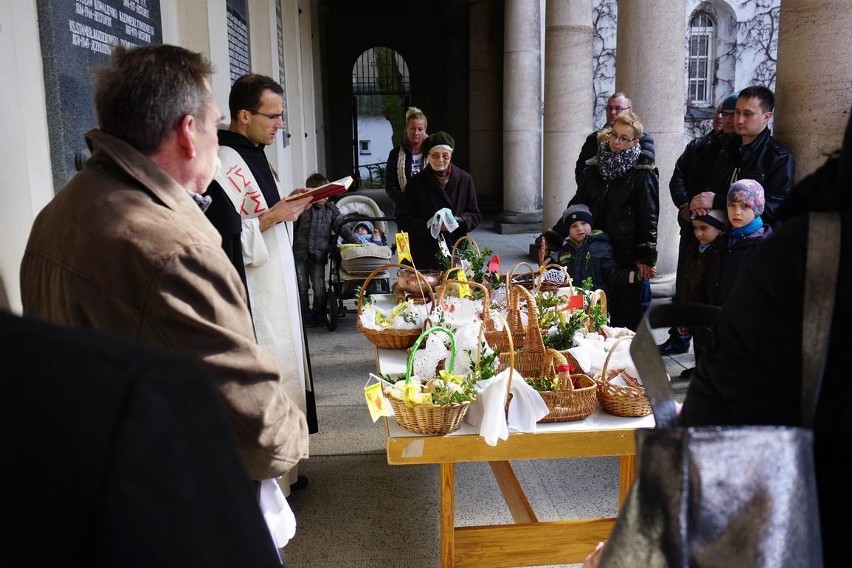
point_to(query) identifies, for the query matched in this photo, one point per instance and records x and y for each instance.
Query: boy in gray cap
(587, 252)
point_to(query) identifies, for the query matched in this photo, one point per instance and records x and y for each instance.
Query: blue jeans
(311, 274)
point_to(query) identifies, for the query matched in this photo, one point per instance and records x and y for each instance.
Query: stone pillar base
(512, 223)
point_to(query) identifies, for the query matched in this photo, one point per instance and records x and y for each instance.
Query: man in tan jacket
(125, 247)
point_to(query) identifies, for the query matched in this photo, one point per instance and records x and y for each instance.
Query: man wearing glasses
(615, 105)
(256, 225)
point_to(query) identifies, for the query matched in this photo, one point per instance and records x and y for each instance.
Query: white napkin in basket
(488, 411)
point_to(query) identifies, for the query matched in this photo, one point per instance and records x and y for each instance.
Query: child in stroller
(351, 264)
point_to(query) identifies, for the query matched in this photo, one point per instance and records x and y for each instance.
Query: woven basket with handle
(430, 419)
(620, 400)
(544, 285)
(575, 396)
(388, 338)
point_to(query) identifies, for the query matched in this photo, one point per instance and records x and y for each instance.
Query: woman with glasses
(621, 188)
(440, 200)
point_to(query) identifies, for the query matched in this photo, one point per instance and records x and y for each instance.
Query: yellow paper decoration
(402, 250)
(376, 401)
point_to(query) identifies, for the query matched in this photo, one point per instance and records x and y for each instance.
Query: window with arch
(702, 39)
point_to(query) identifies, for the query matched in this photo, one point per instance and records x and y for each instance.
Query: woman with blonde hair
(406, 160)
(621, 187)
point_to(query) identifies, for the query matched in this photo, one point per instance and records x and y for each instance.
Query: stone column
(814, 82)
(521, 119)
(486, 97)
(568, 99)
(650, 62)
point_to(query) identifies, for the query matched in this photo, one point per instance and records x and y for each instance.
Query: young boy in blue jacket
(588, 252)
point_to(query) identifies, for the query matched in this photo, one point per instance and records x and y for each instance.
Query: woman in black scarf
(621, 188)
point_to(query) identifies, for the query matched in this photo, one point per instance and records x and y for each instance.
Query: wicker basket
(620, 400)
(542, 285)
(449, 286)
(527, 279)
(456, 246)
(429, 419)
(576, 394)
(387, 338)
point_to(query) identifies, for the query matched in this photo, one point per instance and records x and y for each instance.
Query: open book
(323, 191)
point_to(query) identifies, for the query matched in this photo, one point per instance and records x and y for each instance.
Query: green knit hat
(438, 139)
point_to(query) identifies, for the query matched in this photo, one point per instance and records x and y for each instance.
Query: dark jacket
(726, 260)
(392, 185)
(423, 198)
(592, 258)
(312, 235)
(764, 160)
(625, 208)
(754, 376)
(692, 173)
(128, 452)
(590, 150)
(691, 284)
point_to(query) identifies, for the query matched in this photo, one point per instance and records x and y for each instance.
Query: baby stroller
(351, 264)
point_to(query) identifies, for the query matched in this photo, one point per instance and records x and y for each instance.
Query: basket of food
(435, 405)
(552, 277)
(390, 326)
(619, 393)
(513, 319)
(569, 396)
(453, 309)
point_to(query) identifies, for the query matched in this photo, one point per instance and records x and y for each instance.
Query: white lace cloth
(277, 513)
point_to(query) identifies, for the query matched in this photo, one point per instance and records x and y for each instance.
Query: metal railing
(369, 176)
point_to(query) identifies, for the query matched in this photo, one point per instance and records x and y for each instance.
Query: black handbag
(728, 495)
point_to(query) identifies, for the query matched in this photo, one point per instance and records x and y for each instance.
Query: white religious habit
(270, 279)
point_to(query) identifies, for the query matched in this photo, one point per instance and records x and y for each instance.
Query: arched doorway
(381, 92)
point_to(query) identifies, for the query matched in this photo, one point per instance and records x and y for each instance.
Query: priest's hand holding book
(287, 209)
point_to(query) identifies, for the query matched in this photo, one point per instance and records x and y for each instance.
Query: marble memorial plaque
(77, 35)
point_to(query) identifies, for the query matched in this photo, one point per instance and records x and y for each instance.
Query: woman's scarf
(738, 233)
(443, 177)
(613, 165)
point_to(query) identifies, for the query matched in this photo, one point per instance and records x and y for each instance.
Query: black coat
(754, 374)
(764, 160)
(691, 176)
(725, 262)
(625, 208)
(593, 258)
(423, 197)
(118, 455)
(392, 185)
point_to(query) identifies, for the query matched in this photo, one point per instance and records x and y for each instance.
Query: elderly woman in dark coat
(621, 187)
(441, 185)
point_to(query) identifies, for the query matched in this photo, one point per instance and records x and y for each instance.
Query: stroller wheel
(332, 310)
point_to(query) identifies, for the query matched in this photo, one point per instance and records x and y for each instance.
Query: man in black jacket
(751, 154)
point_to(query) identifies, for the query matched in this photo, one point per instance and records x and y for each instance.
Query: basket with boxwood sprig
(562, 323)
